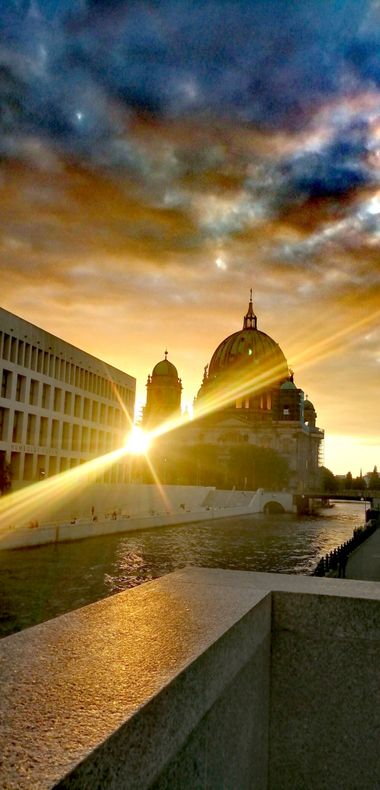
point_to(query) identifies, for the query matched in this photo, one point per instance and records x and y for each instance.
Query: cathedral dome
(288, 385)
(165, 368)
(249, 347)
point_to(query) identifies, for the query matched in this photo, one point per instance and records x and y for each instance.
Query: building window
(75, 444)
(17, 426)
(6, 384)
(67, 406)
(4, 421)
(54, 433)
(31, 429)
(95, 409)
(13, 349)
(33, 392)
(41, 467)
(20, 353)
(28, 466)
(15, 465)
(57, 399)
(46, 363)
(7, 346)
(20, 388)
(27, 355)
(66, 435)
(33, 358)
(63, 464)
(77, 405)
(43, 431)
(86, 409)
(46, 396)
(84, 440)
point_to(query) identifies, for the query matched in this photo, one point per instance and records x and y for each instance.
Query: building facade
(252, 426)
(59, 405)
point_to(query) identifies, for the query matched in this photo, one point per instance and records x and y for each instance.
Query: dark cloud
(174, 127)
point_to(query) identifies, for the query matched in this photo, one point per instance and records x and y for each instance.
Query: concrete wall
(203, 678)
(135, 507)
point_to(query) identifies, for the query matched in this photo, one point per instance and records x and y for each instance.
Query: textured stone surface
(229, 748)
(325, 693)
(78, 690)
(172, 685)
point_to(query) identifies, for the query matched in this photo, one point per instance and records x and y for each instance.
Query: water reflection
(40, 583)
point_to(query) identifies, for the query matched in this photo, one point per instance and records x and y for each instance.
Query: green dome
(248, 346)
(165, 368)
(288, 385)
(308, 405)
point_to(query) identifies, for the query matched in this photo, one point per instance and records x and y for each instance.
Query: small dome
(288, 385)
(165, 368)
(308, 405)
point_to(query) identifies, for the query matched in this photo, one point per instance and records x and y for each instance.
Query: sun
(137, 442)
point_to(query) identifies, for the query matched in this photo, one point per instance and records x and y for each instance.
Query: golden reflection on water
(37, 584)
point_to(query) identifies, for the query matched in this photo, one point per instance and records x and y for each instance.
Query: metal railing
(334, 563)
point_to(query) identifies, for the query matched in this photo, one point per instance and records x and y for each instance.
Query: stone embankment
(143, 507)
(203, 678)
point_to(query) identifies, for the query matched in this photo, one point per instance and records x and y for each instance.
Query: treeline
(335, 484)
(241, 467)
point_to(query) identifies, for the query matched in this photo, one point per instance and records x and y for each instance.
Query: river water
(39, 583)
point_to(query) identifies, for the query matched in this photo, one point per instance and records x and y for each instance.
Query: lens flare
(137, 442)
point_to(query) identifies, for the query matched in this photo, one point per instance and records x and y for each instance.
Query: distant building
(59, 406)
(248, 413)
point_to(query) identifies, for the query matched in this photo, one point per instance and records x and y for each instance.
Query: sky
(158, 159)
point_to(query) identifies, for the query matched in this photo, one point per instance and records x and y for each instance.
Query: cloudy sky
(158, 159)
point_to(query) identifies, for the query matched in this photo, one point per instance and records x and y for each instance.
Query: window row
(30, 429)
(31, 467)
(34, 358)
(53, 398)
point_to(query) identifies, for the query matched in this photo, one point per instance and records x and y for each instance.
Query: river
(39, 583)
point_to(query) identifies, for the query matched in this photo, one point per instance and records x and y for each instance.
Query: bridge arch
(273, 507)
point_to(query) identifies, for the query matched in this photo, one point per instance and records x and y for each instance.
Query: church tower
(164, 389)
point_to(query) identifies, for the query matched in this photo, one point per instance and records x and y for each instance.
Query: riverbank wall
(202, 678)
(131, 508)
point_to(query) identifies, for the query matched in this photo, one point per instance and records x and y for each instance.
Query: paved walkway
(364, 563)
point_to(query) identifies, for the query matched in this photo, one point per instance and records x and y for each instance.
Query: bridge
(302, 501)
(354, 495)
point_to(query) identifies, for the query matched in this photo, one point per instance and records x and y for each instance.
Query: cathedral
(252, 426)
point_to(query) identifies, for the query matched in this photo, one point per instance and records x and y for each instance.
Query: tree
(348, 481)
(374, 480)
(328, 480)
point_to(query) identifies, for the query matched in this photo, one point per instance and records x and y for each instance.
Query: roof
(288, 385)
(165, 368)
(251, 346)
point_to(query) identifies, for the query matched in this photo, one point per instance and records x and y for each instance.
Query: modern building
(59, 405)
(251, 425)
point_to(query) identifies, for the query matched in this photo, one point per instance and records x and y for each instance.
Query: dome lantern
(250, 319)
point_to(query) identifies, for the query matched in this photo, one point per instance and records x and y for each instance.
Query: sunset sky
(158, 159)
